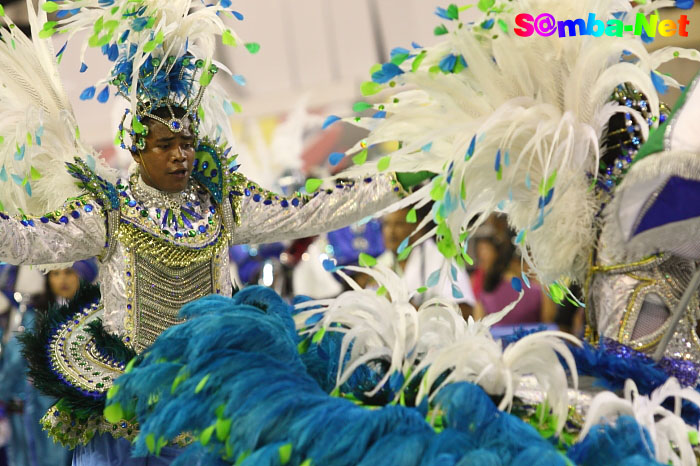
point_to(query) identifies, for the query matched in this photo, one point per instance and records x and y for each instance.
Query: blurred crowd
(26, 293)
(483, 287)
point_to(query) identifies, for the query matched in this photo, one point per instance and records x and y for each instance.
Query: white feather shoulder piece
(38, 130)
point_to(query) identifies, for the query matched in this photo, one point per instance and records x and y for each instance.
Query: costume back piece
(524, 126)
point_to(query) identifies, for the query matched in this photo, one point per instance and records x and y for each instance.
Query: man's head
(166, 162)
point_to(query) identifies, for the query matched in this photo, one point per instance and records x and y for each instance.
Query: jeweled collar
(152, 197)
(189, 217)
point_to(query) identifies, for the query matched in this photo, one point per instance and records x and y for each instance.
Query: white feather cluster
(665, 427)
(179, 25)
(157, 28)
(518, 130)
(38, 128)
(436, 337)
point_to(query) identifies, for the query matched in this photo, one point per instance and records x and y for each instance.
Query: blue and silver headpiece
(171, 83)
(162, 49)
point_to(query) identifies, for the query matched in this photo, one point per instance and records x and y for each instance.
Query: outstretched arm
(77, 231)
(264, 217)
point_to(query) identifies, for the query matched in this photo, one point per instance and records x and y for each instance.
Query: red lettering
(527, 28)
(682, 23)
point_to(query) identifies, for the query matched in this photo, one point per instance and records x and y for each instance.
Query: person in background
(421, 262)
(63, 284)
(486, 249)
(28, 444)
(498, 292)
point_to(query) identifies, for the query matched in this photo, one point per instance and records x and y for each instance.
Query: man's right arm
(75, 232)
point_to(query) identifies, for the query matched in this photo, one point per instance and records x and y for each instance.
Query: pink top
(525, 312)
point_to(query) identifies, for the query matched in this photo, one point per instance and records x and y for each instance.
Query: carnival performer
(239, 380)
(161, 235)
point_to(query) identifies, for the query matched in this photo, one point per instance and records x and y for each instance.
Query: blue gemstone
(202, 228)
(213, 173)
(295, 202)
(368, 180)
(195, 163)
(75, 214)
(257, 197)
(88, 208)
(24, 222)
(267, 202)
(284, 203)
(662, 118)
(247, 192)
(132, 203)
(175, 124)
(63, 219)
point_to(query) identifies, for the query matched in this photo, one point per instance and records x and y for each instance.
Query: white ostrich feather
(436, 337)
(541, 104)
(482, 360)
(665, 427)
(37, 125)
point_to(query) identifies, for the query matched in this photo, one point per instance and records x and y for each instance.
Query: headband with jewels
(171, 83)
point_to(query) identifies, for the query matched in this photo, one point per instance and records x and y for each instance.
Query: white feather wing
(37, 125)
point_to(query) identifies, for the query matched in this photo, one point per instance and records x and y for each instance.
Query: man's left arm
(263, 217)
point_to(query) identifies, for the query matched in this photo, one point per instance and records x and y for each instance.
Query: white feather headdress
(513, 124)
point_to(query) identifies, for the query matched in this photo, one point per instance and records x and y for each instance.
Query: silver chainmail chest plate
(161, 291)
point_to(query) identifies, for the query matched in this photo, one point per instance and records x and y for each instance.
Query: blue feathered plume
(232, 376)
(625, 443)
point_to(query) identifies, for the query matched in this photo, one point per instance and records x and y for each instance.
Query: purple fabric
(86, 269)
(526, 311)
(679, 200)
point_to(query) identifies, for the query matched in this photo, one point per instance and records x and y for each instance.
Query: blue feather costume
(245, 395)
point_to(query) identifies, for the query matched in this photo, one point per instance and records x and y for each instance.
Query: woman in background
(497, 291)
(28, 444)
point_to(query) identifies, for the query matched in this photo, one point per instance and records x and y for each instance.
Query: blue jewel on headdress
(176, 125)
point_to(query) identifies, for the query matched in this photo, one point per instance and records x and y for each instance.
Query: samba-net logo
(546, 25)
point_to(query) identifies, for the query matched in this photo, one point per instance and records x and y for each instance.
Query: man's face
(166, 162)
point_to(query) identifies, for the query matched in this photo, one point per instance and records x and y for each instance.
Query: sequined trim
(70, 431)
(74, 357)
(398, 187)
(666, 277)
(113, 217)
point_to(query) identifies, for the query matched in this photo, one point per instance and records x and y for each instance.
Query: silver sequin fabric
(145, 239)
